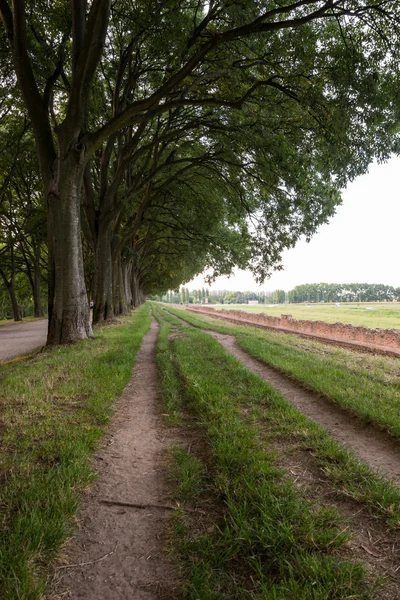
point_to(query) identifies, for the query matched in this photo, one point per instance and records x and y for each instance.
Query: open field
(378, 314)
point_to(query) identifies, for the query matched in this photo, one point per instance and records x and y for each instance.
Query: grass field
(258, 536)
(379, 314)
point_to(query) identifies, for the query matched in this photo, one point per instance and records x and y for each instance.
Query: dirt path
(118, 553)
(372, 542)
(21, 338)
(373, 446)
(336, 341)
(370, 444)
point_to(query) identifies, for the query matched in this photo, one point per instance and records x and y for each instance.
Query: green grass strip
(366, 385)
(170, 387)
(270, 537)
(54, 408)
(344, 470)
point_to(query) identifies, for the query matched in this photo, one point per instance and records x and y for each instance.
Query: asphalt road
(21, 338)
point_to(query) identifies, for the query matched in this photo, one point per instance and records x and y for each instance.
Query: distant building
(253, 301)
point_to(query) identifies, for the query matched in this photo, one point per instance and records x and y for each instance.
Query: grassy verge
(266, 542)
(169, 384)
(350, 476)
(5, 322)
(366, 385)
(54, 408)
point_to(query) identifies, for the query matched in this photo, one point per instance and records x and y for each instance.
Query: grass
(344, 471)
(266, 541)
(366, 385)
(170, 388)
(54, 408)
(5, 322)
(370, 314)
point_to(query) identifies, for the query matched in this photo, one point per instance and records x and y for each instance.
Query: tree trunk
(103, 298)
(37, 300)
(135, 289)
(11, 291)
(127, 274)
(14, 302)
(120, 303)
(69, 318)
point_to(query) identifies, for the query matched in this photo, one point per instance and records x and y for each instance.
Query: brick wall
(380, 337)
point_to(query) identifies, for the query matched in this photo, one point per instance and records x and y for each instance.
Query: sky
(360, 244)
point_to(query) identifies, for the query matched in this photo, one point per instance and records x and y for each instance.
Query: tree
(311, 77)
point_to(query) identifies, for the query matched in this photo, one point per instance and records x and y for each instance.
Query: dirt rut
(118, 553)
(373, 446)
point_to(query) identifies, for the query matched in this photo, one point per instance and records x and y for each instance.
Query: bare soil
(119, 551)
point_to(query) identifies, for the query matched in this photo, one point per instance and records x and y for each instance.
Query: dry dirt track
(372, 445)
(21, 338)
(118, 553)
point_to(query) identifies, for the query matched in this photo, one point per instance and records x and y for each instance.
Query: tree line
(142, 142)
(309, 292)
(344, 292)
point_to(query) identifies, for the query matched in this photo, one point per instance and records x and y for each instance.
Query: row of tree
(344, 292)
(309, 292)
(142, 142)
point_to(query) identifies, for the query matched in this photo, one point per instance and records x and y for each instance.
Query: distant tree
(280, 296)
(342, 292)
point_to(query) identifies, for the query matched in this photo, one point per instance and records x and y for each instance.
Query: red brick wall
(380, 337)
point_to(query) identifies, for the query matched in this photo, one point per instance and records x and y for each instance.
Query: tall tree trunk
(14, 302)
(120, 303)
(127, 273)
(68, 305)
(135, 289)
(11, 290)
(103, 296)
(37, 300)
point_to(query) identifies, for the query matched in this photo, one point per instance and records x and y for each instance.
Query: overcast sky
(361, 244)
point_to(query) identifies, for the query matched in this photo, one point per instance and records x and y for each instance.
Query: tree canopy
(175, 136)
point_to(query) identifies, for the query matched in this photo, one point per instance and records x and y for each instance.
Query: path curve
(22, 338)
(118, 553)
